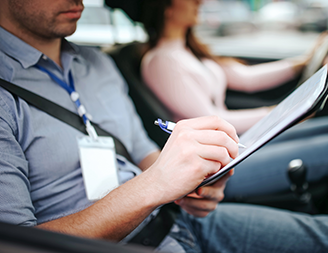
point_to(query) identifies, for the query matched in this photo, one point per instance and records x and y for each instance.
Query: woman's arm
(267, 75)
(185, 96)
(260, 76)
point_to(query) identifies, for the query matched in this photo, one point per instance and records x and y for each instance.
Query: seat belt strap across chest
(61, 113)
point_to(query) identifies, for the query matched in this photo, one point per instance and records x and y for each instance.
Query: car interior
(127, 57)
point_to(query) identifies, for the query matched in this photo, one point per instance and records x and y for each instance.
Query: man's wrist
(154, 192)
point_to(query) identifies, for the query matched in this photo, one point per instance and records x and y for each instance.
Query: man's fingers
(197, 207)
(211, 166)
(215, 153)
(194, 195)
(209, 123)
(210, 138)
(216, 190)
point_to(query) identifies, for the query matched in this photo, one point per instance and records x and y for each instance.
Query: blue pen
(168, 127)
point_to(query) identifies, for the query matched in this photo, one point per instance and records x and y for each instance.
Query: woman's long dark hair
(153, 19)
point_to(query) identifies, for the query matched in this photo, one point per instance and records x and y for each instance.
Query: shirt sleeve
(15, 201)
(258, 77)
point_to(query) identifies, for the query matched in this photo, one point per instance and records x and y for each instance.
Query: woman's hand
(325, 61)
(300, 62)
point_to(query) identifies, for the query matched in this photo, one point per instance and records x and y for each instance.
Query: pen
(168, 127)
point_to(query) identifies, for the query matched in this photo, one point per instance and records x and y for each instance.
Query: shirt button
(44, 57)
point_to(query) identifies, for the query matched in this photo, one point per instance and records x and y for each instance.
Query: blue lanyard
(75, 98)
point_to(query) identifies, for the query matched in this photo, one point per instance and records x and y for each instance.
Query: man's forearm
(112, 217)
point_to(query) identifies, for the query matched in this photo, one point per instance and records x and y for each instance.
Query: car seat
(128, 58)
(20, 239)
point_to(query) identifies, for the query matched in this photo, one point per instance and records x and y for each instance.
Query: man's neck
(51, 48)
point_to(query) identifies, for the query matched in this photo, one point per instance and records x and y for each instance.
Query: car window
(102, 26)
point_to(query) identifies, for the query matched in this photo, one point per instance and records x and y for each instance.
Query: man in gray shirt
(40, 175)
(41, 178)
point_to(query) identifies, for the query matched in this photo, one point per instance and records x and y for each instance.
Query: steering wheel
(315, 62)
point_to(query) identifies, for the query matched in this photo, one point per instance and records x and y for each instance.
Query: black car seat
(127, 58)
(21, 239)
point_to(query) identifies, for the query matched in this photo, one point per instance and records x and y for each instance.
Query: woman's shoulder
(167, 53)
(158, 57)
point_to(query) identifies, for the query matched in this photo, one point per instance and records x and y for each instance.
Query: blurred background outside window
(102, 26)
(265, 29)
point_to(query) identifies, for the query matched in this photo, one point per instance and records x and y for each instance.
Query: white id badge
(98, 163)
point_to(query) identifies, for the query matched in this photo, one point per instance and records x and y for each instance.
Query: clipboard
(308, 98)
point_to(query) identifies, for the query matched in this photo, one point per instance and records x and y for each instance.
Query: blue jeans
(245, 228)
(265, 172)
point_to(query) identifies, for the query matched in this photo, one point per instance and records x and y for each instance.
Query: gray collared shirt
(40, 173)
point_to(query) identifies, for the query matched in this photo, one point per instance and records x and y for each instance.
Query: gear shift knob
(297, 175)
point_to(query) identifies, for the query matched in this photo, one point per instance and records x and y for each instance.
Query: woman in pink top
(189, 80)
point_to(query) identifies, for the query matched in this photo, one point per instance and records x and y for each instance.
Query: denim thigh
(247, 228)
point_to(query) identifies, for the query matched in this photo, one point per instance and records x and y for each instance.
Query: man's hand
(196, 149)
(205, 199)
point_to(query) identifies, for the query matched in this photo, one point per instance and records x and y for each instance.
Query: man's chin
(64, 32)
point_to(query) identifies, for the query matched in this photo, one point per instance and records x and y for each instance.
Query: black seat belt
(61, 113)
(156, 230)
